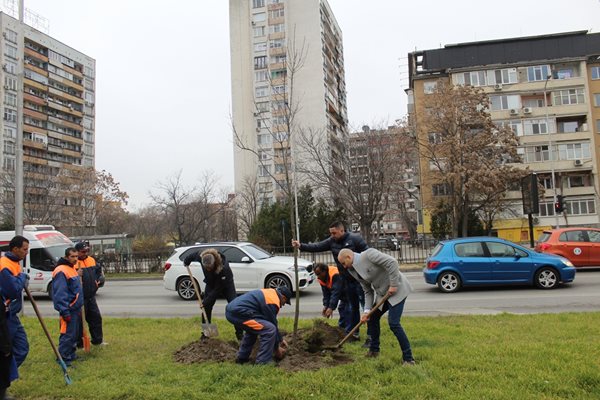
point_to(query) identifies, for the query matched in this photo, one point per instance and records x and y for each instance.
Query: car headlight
(567, 262)
(300, 269)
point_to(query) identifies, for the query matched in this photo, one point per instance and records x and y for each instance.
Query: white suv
(252, 267)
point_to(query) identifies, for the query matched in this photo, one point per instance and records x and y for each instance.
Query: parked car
(388, 242)
(491, 261)
(581, 246)
(252, 267)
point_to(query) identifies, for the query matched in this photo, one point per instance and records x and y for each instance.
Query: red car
(581, 246)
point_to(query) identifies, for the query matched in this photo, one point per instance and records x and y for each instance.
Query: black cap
(81, 246)
(283, 290)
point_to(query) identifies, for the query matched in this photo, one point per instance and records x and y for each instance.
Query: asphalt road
(148, 298)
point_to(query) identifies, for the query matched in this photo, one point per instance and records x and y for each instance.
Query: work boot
(408, 362)
(372, 354)
(241, 361)
(367, 343)
(5, 396)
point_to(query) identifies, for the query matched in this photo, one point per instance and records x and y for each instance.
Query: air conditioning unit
(257, 129)
(256, 114)
(5, 67)
(498, 86)
(584, 127)
(514, 111)
(527, 110)
(578, 163)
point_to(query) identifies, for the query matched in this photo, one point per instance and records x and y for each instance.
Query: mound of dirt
(307, 350)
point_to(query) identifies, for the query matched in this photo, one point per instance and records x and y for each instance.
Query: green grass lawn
(548, 356)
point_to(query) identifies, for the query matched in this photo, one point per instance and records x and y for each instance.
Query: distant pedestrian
(256, 313)
(67, 296)
(378, 274)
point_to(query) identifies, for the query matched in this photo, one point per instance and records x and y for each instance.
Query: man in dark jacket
(67, 295)
(218, 279)
(256, 313)
(90, 276)
(331, 285)
(349, 307)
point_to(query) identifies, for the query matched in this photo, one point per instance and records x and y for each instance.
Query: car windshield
(256, 252)
(437, 249)
(57, 252)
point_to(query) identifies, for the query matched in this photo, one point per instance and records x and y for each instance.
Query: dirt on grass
(310, 349)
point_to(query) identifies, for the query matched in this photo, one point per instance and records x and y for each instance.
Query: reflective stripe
(271, 297)
(257, 326)
(74, 301)
(333, 271)
(63, 325)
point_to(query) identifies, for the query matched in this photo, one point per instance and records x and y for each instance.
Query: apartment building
(58, 117)
(273, 100)
(547, 89)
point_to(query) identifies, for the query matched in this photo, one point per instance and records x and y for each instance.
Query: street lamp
(551, 159)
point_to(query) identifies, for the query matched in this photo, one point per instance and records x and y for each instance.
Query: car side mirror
(246, 259)
(517, 256)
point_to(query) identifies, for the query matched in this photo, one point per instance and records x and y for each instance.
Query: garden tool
(208, 329)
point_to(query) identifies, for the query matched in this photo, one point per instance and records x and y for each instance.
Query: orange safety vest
(271, 297)
(13, 266)
(333, 271)
(85, 263)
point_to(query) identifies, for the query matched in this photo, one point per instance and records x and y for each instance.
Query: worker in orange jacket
(90, 274)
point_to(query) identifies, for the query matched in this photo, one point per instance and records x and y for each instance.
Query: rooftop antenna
(30, 17)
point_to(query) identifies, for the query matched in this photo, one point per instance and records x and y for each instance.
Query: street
(148, 298)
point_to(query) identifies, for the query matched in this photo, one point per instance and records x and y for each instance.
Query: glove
(67, 318)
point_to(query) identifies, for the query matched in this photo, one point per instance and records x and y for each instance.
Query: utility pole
(550, 144)
(19, 147)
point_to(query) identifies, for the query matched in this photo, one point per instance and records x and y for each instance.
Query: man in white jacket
(378, 274)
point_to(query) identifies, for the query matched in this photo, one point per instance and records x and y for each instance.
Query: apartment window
(88, 84)
(546, 182)
(282, 137)
(10, 83)
(260, 17)
(10, 132)
(533, 103)
(474, 78)
(434, 137)
(505, 102)
(565, 73)
(276, 1)
(575, 181)
(568, 127)
(581, 207)
(10, 99)
(536, 153)
(440, 189)
(87, 71)
(88, 123)
(259, 31)
(597, 99)
(277, 43)
(506, 76)
(10, 51)
(429, 87)
(10, 115)
(514, 124)
(278, 105)
(89, 97)
(11, 36)
(573, 151)
(9, 163)
(598, 126)
(9, 147)
(264, 170)
(258, 3)
(261, 76)
(279, 74)
(10, 67)
(263, 106)
(260, 62)
(276, 13)
(277, 28)
(595, 72)
(88, 136)
(535, 127)
(261, 91)
(538, 73)
(280, 59)
(264, 139)
(278, 89)
(569, 96)
(546, 209)
(260, 46)
(88, 149)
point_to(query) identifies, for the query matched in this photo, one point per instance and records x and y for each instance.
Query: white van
(46, 246)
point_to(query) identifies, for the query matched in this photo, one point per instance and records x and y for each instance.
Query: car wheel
(185, 288)
(276, 281)
(546, 278)
(49, 290)
(449, 282)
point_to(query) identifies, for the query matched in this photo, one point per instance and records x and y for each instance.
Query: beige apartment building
(58, 116)
(272, 100)
(547, 89)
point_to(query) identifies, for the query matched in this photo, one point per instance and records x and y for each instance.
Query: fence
(147, 262)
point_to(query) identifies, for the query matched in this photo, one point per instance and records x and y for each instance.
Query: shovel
(209, 330)
(59, 359)
(85, 339)
(379, 304)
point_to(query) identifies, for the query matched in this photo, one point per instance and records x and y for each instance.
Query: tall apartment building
(547, 89)
(265, 36)
(58, 114)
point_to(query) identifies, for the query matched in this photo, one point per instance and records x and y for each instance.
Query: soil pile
(306, 351)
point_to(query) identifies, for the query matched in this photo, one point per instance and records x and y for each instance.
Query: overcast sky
(163, 70)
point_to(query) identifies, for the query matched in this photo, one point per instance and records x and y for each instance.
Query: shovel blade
(210, 330)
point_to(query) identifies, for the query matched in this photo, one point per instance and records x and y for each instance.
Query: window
(546, 182)
(474, 78)
(576, 181)
(10, 67)
(259, 31)
(264, 170)
(277, 43)
(280, 59)
(264, 139)
(88, 123)
(10, 115)
(261, 91)
(87, 71)
(277, 28)
(258, 3)
(581, 207)
(10, 99)
(434, 137)
(260, 62)
(474, 249)
(9, 147)
(538, 73)
(515, 125)
(263, 106)
(568, 127)
(260, 17)
(11, 36)
(429, 87)
(10, 50)
(535, 126)
(536, 153)
(279, 74)
(573, 151)
(594, 236)
(440, 189)
(10, 132)
(260, 46)
(505, 102)
(572, 236)
(597, 99)
(9, 163)
(260, 76)
(505, 76)
(598, 126)
(595, 72)
(88, 84)
(533, 103)
(565, 73)
(276, 13)
(10, 82)
(278, 89)
(501, 250)
(569, 96)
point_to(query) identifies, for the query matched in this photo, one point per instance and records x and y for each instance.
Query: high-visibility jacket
(12, 282)
(260, 303)
(91, 273)
(332, 289)
(67, 293)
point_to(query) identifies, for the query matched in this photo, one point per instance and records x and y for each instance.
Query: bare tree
(247, 204)
(467, 158)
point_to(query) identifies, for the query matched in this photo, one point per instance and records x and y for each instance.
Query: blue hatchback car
(478, 261)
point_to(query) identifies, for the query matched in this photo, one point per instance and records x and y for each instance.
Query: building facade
(287, 75)
(547, 89)
(58, 117)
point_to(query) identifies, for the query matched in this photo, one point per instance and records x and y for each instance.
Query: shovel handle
(198, 292)
(379, 304)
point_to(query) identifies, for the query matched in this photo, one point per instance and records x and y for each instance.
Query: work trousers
(69, 336)
(265, 331)
(20, 344)
(210, 298)
(94, 321)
